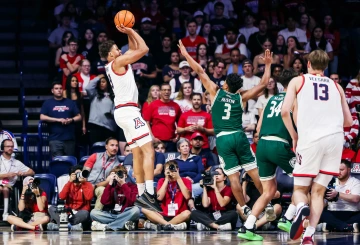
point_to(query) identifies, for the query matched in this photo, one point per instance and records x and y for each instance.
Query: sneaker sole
(270, 214)
(142, 205)
(297, 227)
(284, 227)
(148, 205)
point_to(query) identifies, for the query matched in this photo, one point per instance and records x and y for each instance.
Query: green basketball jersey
(272, 123)
(226, 112)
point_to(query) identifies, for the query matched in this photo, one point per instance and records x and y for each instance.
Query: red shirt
(191, 46)
(178, 199)
(77, 197)
(196, 118)
(163, 117)
(36, 208)
(215, 206)
(63, 65)
(81, 80)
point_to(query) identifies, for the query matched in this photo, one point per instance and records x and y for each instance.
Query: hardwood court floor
(164, 238)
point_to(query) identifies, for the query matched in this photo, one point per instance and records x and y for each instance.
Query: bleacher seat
(355, 170)
(171, 155)
(97, 147)
(128, 161)
(121, 158)
(216, 158)
(61, 164)
(48, 184)
(83, 160)
(285, 184)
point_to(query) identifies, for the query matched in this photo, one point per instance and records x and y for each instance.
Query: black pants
(338, 220)
(98, 133)
(170, 146)
(81, 216)
(62, 148)
(208, 218)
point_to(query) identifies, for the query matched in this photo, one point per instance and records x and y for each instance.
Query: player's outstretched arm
(255, 91)
(348, 121)
(209, 85)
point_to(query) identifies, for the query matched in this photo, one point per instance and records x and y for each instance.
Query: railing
(43, 150)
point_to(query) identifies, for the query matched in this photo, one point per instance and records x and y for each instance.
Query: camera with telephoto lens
(120, 174)
(35, 184)
(83, 175)
(208, 177)
(64, 217)
(329, 188)
(172, 168)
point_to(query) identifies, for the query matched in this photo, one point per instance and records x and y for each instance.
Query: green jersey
(227, 112)
(272, 123)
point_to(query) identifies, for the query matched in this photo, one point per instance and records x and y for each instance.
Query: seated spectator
(351, 133)
(89, 47)
(343, 211)
(100, 165)
(270, 90)
(172, 70)
(183, 97)
(98, 65)
(7, 135)
(294, 50)
(256, 39)
(197, 142)
(210, 38)
(258, 64)
(84, 77)
(159, 147)
(56, 35)
(219, 23)
(210, 9)
(248, 123)
(119, 212)
(163, 56)
(10, 170)
(159, 166)
(255, 141)
(299, 66)
(60, 114)
(336, 78)
(193, 40)
(153, 95)
(185, 76)
(249, 81)
(64, 49)
(352, 91)
(217, 198)
(202, 54)
(149, 35)
(291, 30)
(235, 65)
(145, 69)
(127, 150)
(173, 192)
(33, 208)
(223, 50)
(77, 194)
(217, 76)
(101, 120)
(249, 28)
(280, 48)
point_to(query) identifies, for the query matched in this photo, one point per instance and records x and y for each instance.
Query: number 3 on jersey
(275, 109)
(227, 110)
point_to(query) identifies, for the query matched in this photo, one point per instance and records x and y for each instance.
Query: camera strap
(172, 191)
(104, 165)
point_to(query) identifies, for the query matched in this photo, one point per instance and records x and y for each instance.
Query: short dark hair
(172, 162)
(164, 84)
(126, 145)
(105, 47)
(191, 21)
(217, 61)
(74, 168)
(55, 83)
(286, 75)
(110, 138)
(234, 82)
(232, 29)
(72, 40)
(346, 162)
(263, 19)
(234, 49)
(168, 35)
(195, 94)
(219, 4)
(65, 14)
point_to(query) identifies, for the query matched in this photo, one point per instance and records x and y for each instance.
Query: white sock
(290, 212)
(149, 186)
(141, 188)
(250, 222)
(300, 205)
(6, 205)
(309, 231)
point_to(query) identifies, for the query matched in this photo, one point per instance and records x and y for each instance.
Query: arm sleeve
(209, 123)
(90, 161)
(328, 47)
(88, 191)
(243, 50)
(198, 86)
(172, 85)
(160, 159)
(65, 191)
(45, 108)
(354, 131)
(148, 113)
(200, 169)
(302, 37)
(130, 192)
(91, 88)
(106, 198)
(182, 121)
(219, 48)
(159, 184)
(22, 167)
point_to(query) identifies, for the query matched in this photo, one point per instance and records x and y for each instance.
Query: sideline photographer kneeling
(32, 207)
(77, 194)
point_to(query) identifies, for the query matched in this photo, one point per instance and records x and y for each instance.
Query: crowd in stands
(224, 37)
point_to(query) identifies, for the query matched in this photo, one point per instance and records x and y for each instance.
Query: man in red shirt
(69, 63)
(193, 40)
(196, 120)
(173, 193)
(161, 117)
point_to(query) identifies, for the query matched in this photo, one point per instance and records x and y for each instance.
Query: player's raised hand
(182, 48)
(123, 29)
(267, 57)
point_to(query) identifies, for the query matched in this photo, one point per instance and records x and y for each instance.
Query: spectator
(193, 40)
(84, 77)
(280, 48)
(249, 27)
(223, 50)
(197, 143)
(336, 78)
(333, 37)
(172, 70)
(154, 13)
(145, 69)
(183, 97)
(249, 81)
(60, 8)
(352, 93)
(217, 76)
(210, 68)
(56, 36)
(159, 147)
(98, 65)
(258, 64)
(173, 192)
(100, 165)
(219, 23)
(269, 91)
(118, 199)
(211, 40)
(64, 49)
(185, 76)
(291, 30)
(161, 118)
(256, 39)
(33, 208)
(196, 120)
(210, 9)
(89, 48)
(294, 50)
(60, 114)
(69, 63)
(202, 54)
(7, 135)
(199, 18)
(298, 64)
(101, 120)
(163, 56)
(149, 35)
(235, 65)
(71, 9)
(10, 170)
(217, 198)
(351, 133)
(248, 123)
(154, 93)
(304, 24)
(127, 150)
(77, 194)
(276, 71)
(177, 23)
(255, 141)
(343, 212)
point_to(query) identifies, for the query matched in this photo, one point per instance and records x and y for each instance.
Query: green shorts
(272, 153)
(235, 152)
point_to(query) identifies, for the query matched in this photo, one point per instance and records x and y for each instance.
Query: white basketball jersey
(123, 85)
(319, 109)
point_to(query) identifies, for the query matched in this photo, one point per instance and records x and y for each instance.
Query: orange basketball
(124, 17)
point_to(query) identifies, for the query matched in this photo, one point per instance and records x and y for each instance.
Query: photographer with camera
(343, 211)
(77, 194)
(173, 192)
(118, 199)
(217, 197)
(33, 207)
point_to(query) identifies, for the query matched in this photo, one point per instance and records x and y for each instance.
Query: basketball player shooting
(322, 114)
(127, 113)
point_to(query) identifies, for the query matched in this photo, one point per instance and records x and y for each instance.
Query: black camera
(64, 217)
(120, 174)
(208, 177)
(83, 175)
(35, 184)
(172, 168)
(329, 188)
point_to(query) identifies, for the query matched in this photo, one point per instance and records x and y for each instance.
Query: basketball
(124, 17)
